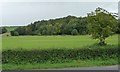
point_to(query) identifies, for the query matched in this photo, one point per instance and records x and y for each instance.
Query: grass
(46, 42)
(50, 42)
(71, 64)
(11, 28)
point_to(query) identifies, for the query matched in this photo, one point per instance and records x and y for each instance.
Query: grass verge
(71, 64)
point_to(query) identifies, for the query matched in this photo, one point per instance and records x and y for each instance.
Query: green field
(47, 52)
(45, 42)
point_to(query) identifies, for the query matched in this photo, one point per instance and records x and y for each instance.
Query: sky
(23, 13)
(59, 0)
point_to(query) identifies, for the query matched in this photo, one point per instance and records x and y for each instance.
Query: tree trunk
(102, 41)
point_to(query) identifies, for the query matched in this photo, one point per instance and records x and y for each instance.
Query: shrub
(56, 55)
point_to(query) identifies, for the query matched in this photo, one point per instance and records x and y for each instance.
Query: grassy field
(47, 52)
(45, 42)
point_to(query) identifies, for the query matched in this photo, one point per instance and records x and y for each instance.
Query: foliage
(3, 30)
(60, 26)
(22, 56)
(101, 25)
(14, 33)
(118, 27)
(74, 32)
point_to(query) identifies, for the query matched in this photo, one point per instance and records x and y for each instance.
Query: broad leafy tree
(101, 24)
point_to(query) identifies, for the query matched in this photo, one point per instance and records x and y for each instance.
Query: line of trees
(69, 25)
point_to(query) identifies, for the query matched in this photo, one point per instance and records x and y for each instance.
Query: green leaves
(74, 32)
(101, 24)
(56, 55)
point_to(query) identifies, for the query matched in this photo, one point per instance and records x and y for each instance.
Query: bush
(56, 55)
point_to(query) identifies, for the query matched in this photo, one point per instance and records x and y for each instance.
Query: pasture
(45, 42)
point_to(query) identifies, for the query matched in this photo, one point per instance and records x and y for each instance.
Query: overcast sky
(23, 13)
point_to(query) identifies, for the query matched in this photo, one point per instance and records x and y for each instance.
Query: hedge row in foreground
(56, 55)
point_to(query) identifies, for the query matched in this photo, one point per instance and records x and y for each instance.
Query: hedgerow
(22, 56)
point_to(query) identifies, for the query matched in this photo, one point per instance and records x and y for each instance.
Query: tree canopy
(60, 26)
(101, 25)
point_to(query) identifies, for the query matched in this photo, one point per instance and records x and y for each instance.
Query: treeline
(69, 25)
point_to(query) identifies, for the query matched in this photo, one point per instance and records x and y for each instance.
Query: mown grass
(46, 42)
(71, 64)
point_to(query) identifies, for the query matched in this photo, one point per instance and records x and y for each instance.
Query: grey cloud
(23, 13)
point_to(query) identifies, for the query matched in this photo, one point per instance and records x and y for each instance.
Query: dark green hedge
(56, 55)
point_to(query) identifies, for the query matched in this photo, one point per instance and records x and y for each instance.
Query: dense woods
(69, 25)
